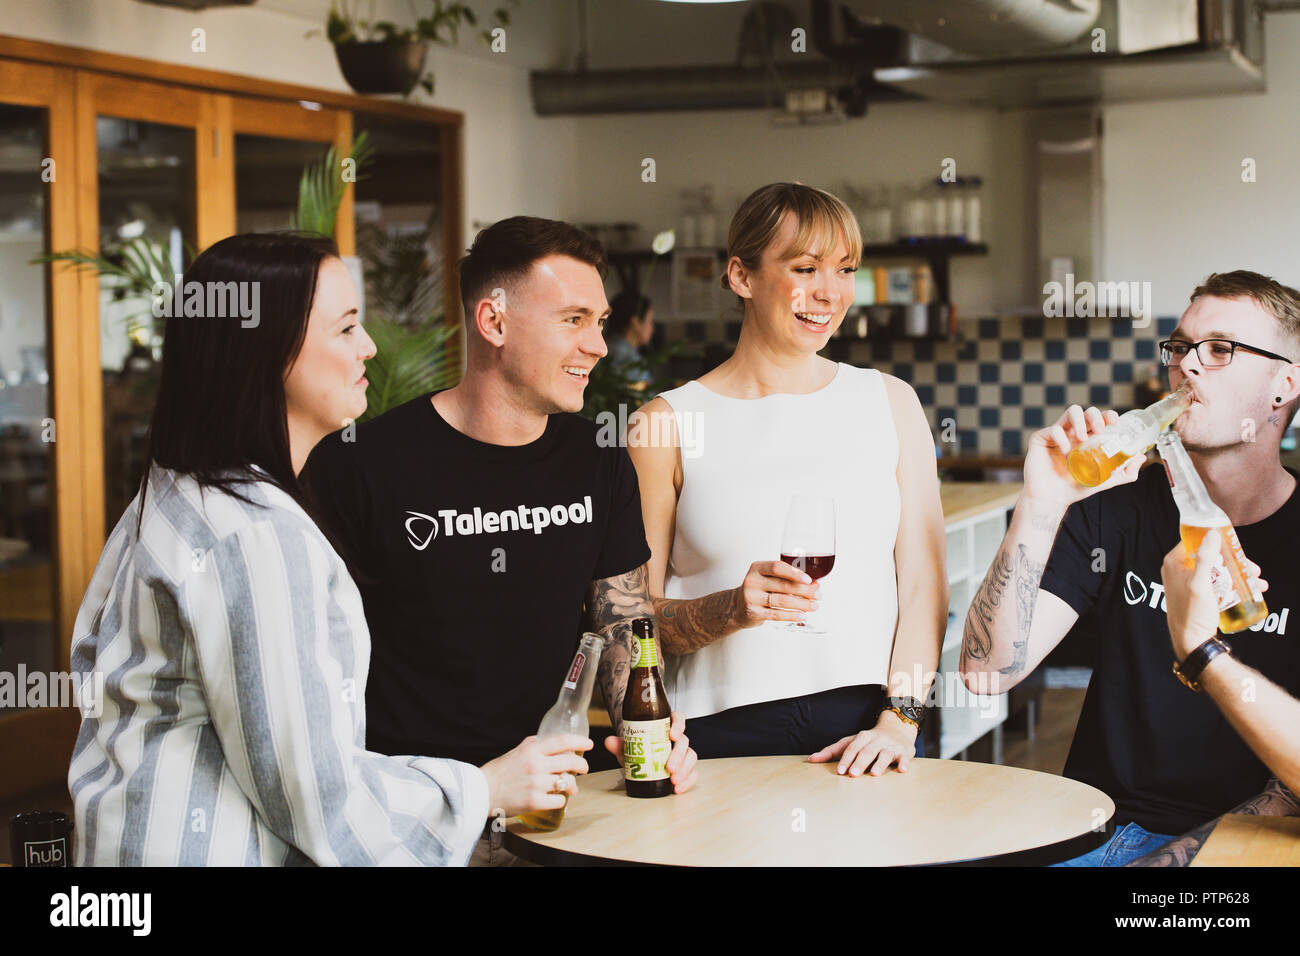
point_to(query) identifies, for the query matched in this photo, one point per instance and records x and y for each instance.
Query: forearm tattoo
(1276, 800)
(981, 621)
(686, 626)
(612, 605)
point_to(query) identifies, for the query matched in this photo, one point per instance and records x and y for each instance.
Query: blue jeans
(1126, 844)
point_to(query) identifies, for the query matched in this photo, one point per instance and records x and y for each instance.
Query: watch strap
(908, 709)
(1190, 670)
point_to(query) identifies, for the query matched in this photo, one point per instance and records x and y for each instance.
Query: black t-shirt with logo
(1167, 756)
(473, 561)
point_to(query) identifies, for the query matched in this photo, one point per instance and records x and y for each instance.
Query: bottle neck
(649, 653)
(581, 678)
(1171, 406)
(1190, 494)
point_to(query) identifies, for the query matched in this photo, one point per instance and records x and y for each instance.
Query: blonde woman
(774, 420)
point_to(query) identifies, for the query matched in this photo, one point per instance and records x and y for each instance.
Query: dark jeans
(795, 725)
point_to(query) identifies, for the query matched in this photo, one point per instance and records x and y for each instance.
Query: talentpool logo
(422, 529)
(1137, 591)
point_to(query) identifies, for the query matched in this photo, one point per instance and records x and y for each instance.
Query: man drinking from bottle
(1088, 560)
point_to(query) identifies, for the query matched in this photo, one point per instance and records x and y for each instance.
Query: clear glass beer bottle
(1241, 605)
(1092, 461)
(568, 715)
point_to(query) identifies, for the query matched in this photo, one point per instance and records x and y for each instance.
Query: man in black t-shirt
(1089, 560)
(479, 520)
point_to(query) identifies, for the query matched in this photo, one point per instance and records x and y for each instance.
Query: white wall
(505, 170)
(739, 151)
(1176, 208)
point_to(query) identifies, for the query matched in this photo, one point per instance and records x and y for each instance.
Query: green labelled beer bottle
(646, 718)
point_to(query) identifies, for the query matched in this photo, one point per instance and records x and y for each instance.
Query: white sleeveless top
(742, 459)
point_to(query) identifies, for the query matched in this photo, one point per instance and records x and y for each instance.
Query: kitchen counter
(966, 499)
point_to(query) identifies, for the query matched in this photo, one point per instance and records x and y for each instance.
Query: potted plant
(383, 57)
(415, 348)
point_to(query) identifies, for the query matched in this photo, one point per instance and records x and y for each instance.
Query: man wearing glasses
(1089, 559)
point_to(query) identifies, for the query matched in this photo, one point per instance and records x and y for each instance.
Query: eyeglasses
(1219, 353)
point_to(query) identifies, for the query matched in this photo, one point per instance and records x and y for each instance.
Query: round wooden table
(784, 811)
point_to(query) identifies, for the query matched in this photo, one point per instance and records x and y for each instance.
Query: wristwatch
(907, 709)
(1189, 671)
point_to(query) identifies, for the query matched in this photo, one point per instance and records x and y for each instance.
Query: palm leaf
(408, 363)
(321, 188)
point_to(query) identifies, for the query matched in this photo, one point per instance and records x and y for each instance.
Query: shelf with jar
(910, 235)
(910, 299)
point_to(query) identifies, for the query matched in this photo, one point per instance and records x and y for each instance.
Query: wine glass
(808, 543)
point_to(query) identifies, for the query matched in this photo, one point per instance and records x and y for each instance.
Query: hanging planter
(384, 66)
(382, 57)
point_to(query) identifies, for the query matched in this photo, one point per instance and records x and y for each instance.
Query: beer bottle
(646, 719)
(568, 715)
(1092, 461)
(1241, 604)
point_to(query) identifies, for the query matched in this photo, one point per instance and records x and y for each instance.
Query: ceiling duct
(558, 93)
(1128, 50)
(989, 53)
(759, 78)
(988, 27)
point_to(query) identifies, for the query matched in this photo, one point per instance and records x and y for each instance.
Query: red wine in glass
(808, 544)
(814, 565)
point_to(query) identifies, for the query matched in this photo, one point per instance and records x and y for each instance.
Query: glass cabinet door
(146, 185)
(42, 564)
(150, 146)
(27, 543)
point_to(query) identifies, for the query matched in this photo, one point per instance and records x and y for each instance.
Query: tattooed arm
(687, 625)
(1012, 623)
(1276, 800)
(612, 605)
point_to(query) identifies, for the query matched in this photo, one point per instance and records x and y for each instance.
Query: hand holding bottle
(1047, 474)
(536, 775)
(1192, 605)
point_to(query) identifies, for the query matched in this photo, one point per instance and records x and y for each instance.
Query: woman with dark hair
(229, 635)
(630, 327)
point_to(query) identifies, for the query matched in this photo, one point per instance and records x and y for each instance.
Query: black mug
(40, 838)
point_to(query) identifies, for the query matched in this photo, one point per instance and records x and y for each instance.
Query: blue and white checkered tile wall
(1010, 376)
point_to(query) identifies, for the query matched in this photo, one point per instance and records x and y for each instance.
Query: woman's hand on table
(892, 741)
(682, 769)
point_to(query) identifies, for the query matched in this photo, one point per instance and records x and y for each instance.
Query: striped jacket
(234, 653)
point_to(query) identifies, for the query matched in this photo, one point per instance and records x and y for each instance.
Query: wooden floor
(1053, 733)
